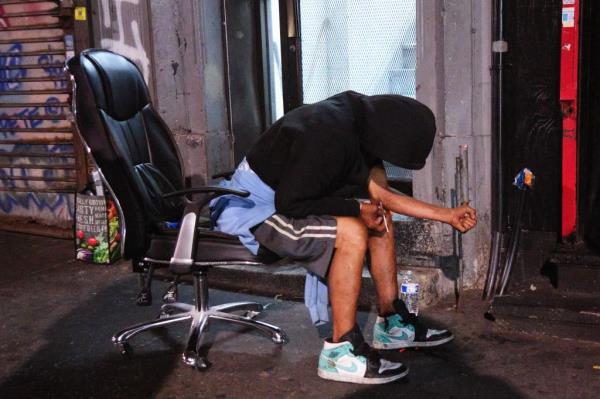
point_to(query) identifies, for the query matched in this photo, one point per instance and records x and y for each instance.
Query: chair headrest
(117, 83)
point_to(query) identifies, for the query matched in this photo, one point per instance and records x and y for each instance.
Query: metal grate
(38, 161)
(363, 45)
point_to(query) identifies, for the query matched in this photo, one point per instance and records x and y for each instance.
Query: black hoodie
(318, 157)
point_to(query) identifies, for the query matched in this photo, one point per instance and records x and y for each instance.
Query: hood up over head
(397, 129)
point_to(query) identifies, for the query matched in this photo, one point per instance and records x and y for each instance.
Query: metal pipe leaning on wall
(524, 182)
(499, 47)
(460, 196)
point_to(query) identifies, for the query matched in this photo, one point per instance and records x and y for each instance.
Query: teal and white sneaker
(404, 330)
(352, 360)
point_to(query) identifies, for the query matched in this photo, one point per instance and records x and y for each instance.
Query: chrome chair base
(201, 316)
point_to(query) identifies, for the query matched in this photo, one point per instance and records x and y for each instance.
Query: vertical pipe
(490, 282)
(460, 197)
(464, 174)
(456, 248)
(227, 81)
(499, 47)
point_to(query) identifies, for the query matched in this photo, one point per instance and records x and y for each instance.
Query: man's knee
(351, 233)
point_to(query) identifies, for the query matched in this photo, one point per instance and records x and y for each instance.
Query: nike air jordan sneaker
(404, 330)
(352, 360)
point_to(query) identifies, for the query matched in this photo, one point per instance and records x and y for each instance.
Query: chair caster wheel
(196, 361)
(144, 298)
(170, 295)
(164, 314)
(279, 338)
(202, 364)
(251, 314)
(125, 349)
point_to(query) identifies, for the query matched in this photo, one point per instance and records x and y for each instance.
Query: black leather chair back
(128, 140)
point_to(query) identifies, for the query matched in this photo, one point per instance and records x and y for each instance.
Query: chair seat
(212, 247)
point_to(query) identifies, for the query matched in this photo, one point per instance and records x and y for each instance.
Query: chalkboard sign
(97, 236)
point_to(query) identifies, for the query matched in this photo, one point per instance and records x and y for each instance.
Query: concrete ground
(58, 316)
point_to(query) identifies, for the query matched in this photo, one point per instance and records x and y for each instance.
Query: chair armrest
(183, 256)
(223, 175)
(206, 189)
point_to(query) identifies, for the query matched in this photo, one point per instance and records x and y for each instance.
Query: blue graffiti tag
(52, 202)
(9, 73)
(6, 74)
(20, 123)
(53, 107)
(53, 67)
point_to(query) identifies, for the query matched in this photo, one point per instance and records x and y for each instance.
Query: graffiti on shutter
(38, 168)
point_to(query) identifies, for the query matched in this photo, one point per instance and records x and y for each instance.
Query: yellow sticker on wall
(80, 13)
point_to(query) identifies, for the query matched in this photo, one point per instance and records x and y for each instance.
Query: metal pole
(464, 174)
(460, 196)
(490, 282)
(514, 243)
(499, 47)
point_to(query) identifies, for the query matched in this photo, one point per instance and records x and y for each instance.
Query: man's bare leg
(382, 250)
(345, 273)
(384, 272)
(336, 362)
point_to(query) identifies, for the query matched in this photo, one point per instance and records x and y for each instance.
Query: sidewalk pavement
(59, 315)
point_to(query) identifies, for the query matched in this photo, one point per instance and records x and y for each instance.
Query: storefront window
(363, 45)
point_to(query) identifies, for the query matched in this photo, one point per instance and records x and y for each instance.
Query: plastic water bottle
(409, 292)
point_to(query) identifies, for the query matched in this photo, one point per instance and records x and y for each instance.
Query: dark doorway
(532, 121)
(589, 124)
(246, 79)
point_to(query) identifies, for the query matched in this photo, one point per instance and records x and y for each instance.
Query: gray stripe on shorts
(290, 232)
(309, 241)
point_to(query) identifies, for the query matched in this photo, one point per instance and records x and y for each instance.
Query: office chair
(139, 163)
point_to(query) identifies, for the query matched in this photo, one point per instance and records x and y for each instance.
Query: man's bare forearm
(404, 205)
(409, 206)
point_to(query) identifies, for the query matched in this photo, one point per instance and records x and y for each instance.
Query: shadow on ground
(77, 360)
(59, 316)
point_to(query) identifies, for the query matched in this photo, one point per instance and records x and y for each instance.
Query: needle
(384, 218)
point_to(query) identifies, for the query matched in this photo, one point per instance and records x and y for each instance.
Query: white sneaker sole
(359, 380)
(406, 344)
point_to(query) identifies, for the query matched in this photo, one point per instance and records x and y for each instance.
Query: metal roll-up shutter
(40, 165)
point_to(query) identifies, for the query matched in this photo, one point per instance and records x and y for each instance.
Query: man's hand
(462, 218)
(372, 216)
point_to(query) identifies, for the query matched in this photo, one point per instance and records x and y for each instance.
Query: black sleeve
(315, 160)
